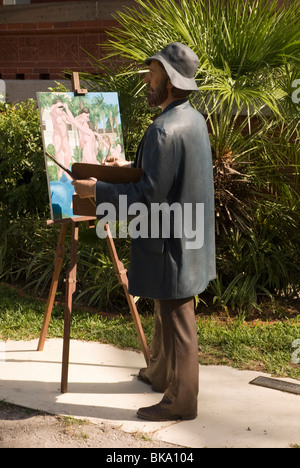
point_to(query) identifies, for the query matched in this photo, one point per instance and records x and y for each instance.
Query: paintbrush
(62, 166)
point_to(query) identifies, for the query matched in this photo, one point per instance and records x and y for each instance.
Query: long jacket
(174, 256)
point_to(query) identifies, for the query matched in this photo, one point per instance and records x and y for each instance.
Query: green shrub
(248, 54)
(23, 186)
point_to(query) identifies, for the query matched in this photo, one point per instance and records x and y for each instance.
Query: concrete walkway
(103, 386)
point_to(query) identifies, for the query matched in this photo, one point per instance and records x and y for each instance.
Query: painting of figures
(85, 129)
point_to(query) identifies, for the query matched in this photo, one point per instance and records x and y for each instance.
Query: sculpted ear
(169, 85)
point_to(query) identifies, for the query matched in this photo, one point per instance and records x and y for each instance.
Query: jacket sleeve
(158, 166)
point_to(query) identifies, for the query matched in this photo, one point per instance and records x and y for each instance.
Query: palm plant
(249, 59)
(244, 47)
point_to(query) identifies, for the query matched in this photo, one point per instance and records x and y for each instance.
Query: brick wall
(35, 51)
(43, 39)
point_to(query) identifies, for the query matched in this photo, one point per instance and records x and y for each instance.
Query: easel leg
(59, 256)
(70, 289)
(122, 277)
(137, 323)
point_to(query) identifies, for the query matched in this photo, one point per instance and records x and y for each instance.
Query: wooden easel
(71, 278)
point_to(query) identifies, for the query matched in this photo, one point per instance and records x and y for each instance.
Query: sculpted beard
(156, 97)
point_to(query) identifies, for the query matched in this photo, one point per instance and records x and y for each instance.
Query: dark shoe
(142, 377)
(160, 412)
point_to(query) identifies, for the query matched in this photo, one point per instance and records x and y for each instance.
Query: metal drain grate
(275, 384)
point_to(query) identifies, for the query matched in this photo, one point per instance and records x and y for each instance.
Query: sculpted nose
(146, 78)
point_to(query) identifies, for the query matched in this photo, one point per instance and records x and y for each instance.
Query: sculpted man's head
(171, 74)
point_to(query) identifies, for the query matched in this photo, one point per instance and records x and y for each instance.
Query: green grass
(263, 346)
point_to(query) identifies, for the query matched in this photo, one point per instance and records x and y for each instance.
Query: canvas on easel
(77, 129)
(75, 144)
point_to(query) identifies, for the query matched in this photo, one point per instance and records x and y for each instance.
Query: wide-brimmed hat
(180, 63)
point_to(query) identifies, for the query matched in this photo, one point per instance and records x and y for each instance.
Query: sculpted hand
(115, 161)
(85, 188)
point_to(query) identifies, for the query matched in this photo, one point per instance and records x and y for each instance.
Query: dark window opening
(44, 76)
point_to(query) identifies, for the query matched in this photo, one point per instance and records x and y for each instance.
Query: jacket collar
(177, 102)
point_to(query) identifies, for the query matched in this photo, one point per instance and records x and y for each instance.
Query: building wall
(40, 41)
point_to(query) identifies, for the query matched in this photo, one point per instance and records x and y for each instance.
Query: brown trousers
(174, 367)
